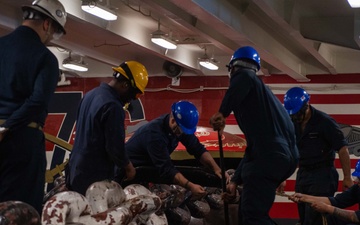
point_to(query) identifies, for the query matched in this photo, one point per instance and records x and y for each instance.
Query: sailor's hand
(217, 121)
(281, 188)
(130, 171)
(347, 183)
(197, 191)
(227, 176)
(299, 197)
(230, 194)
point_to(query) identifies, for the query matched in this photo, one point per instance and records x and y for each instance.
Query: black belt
(317, 165)
(32, 125)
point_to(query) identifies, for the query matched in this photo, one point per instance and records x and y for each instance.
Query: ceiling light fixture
(98, 10)
(354, 3)
(73, 64)
(159, 37)
(208, 63)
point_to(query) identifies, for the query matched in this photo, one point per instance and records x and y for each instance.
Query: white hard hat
(51, 8)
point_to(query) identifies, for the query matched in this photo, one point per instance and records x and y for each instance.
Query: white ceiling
(294, 37)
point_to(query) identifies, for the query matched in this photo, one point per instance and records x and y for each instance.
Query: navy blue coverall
(343, 200)
(28, 77)
(317, 174)
(271, 155)
(99, 139)
(153, 143)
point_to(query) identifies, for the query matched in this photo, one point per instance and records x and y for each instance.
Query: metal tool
(223, 180)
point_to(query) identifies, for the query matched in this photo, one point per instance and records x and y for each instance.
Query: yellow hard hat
(135, 72)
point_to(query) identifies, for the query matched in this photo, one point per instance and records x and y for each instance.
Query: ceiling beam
(235, 24)
(285, 27)
(133, 33)
(10, 17)
(340, 31)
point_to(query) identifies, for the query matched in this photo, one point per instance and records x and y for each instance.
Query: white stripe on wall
(340, 109)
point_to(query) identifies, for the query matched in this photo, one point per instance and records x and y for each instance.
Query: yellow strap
(35, 125)
(58, 141)
(57, 170)
(176, 155)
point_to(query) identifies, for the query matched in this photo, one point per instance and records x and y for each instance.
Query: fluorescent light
(99, 11)
(354, 3)
(164, 42)
(208, 63)
(72, 64)
(159, 38)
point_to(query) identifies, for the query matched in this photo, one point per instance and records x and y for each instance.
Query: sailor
(29, 74)
(318, 139)
(271, 154)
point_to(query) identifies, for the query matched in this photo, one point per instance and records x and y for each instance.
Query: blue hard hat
(294, 100)
(356, 173)
(186, 116)
(246, 52)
